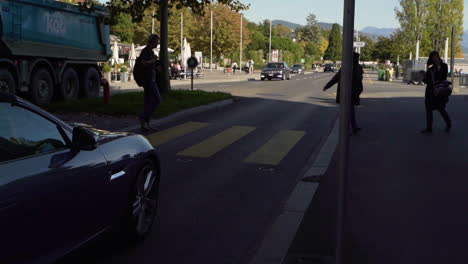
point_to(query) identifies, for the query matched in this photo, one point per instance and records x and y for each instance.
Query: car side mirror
(83, 139)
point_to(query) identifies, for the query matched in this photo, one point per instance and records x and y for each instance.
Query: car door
(50, 197)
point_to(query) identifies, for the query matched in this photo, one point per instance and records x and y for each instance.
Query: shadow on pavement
(406, 199)
(218, 209)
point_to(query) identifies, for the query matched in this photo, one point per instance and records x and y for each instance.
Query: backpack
(139, 72)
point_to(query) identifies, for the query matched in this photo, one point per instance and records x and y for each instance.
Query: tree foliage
(136, 8)
(429, 21)
(335, 44)
(226, 32)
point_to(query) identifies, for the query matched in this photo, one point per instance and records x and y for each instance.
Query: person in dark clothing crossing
(437, 71)
(357, 88)
(152, 97)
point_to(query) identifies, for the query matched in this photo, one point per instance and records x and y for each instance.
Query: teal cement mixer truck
(49, 49)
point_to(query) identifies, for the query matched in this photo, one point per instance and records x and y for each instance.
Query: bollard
(106, 88)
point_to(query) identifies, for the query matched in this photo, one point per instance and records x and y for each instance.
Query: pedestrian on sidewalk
(357, 89)
(251, 67)
(234, 67)
(437, 71)
(152, 97)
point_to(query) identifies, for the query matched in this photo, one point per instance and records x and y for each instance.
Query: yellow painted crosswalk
(214, 144)
(167, 135)
(276, 148)
(272, 152)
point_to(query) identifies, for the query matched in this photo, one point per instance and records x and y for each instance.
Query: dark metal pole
(345, 107)
(452, 57)
(163, 51)
(192, 80)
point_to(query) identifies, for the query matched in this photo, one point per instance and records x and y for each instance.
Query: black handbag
(441, 88)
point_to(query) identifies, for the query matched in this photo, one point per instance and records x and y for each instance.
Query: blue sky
(377, 13)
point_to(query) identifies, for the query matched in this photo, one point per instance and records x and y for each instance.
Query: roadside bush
(106, 67)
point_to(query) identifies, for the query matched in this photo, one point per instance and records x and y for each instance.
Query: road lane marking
(369, 79)
(276, 148)
(214, 144)
(225, 85)
(169, 134)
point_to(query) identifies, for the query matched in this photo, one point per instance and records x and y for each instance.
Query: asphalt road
(228, 172)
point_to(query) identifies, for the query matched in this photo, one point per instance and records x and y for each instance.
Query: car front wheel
(143, 201)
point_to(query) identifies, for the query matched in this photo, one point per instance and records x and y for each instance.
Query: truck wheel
(41, 87)
(91, 83)
(7, 82)
(70, 85)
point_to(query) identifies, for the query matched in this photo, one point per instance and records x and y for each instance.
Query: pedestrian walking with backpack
(438, 90)
(145, 76)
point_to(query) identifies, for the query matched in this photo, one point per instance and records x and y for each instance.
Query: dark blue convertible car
(61, 185)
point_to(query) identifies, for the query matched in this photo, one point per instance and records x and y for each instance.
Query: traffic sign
(359, 44)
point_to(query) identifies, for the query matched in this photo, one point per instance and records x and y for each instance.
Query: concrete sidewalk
(406, 198)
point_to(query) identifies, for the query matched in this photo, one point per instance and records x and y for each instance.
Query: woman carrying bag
(437, 91)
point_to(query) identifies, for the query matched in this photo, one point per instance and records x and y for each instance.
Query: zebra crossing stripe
(169, 134)
(276, 148)
(214, 144)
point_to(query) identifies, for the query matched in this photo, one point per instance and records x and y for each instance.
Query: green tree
(334, 49)
(258, 42)
(226, 32)
(367, 52)
(264, 28)
(412, 15)
(124, 28)
(136, 8)
(386, 49)
(443, 15)
(312, 31)
(282, 31)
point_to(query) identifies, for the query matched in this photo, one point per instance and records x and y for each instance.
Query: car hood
(102, 136)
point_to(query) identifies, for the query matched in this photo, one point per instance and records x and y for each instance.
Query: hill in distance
(290, 25)
(385, 32)
(293, 26)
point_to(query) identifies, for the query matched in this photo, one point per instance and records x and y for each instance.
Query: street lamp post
(269, 50)
(211, 43)
(152, 24)
(181, 36)
(345, 107)
(240, 57)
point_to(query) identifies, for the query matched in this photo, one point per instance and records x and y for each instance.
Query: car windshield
(297, 65)
(275, 65)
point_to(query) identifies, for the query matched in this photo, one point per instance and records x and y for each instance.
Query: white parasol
(132, 57)
(115, 53)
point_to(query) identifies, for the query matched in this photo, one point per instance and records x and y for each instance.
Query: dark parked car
(298, 69)
(62, 185)
(276, 70)
(329, 68)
